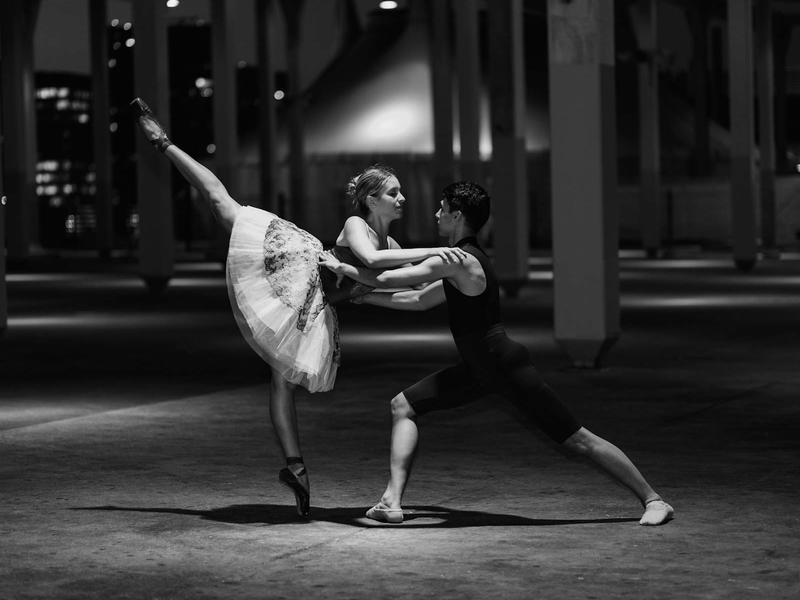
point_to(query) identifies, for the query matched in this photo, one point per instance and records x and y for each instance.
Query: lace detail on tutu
(289, 251)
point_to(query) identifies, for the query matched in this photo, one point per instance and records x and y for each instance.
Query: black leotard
(348, 288)
(490, 361)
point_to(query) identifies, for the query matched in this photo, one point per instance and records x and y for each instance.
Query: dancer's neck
(380, 227)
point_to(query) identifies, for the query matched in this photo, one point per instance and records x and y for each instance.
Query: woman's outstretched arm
(355, 236)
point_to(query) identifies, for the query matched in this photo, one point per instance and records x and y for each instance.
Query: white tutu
(276, 296)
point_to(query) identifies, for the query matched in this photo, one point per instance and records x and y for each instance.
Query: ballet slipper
(656, 512)
(385, 514)
(302, 497)
(152, 129)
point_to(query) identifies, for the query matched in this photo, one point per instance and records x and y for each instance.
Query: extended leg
(619, 466)
(210, 187)
(403, 449)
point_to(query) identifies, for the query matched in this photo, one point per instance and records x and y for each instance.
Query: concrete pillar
(3, 201)
(743, 193)
(646, 25)
(223, 72)
(584, 178)
(781, 37)
(101, 147)
(3, 293)
(17, 19)
(509, 173)
(153, 171)
(266, 108)
(469, 88)
(697, 14)
(292, 10)
(766, 123)
(442, 95)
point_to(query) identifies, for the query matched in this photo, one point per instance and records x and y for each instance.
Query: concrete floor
(137, 461)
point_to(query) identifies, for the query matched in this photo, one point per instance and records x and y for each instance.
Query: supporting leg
(283, 414)
(611, 459)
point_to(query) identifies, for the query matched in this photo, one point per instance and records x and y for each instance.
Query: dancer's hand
(330, 262)
(449, 255)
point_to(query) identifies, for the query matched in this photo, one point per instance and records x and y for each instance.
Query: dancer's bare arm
(355, 235)
(430, 269)
(426, 298)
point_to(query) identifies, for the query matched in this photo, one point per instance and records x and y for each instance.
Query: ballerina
(282, 301)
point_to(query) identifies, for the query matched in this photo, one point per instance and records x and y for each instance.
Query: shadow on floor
(415, 517)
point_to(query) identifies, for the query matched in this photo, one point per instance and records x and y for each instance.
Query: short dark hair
(471, 199)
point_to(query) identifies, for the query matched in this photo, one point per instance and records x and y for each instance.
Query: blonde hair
(367, 183)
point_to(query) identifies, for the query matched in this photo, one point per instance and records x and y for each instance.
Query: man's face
(445, 219)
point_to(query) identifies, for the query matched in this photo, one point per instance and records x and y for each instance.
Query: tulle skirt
(276, 295)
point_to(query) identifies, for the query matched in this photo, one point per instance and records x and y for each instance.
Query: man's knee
(580, 442)
(401, 407)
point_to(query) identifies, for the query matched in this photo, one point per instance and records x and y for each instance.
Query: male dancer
(490, 361)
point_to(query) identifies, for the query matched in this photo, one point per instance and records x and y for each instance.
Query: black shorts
(494, 364)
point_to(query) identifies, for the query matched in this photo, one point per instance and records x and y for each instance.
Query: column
(469, 88)
(646, 25)
(766, 123)
(697, 15)
(442, 95)
(223, 72)
(3, 293)
(742, 176)
(101, 147)
(292, 10)
(584, 178)
(19, 125)
(266, 108)
(509, 173)
(154, 193)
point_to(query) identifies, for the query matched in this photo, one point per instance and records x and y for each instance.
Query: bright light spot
(83, 118)
(69, 224)
(797, 167)
(130, 42)
(56, 201)
(112, 63)
(63, 92)
(279, 95)
(211, 148)
(172, 3)
(388, 4)
(113, 127)
(114, 22)
(127, 26)
(202, 82)
(206, 92)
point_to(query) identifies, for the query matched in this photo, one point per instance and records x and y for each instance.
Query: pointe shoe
(657, 512)
(381, 512)
(149, 125)
(301, 496)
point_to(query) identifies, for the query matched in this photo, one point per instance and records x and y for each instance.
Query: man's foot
(656, 512)
(149, 125)
(381, 512)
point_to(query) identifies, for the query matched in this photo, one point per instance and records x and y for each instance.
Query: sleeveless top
(349, 288)
(471, 315)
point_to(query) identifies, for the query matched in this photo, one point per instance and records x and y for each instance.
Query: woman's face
(388, 202)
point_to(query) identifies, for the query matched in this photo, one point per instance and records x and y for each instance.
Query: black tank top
(470, 315)
(348, 288)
